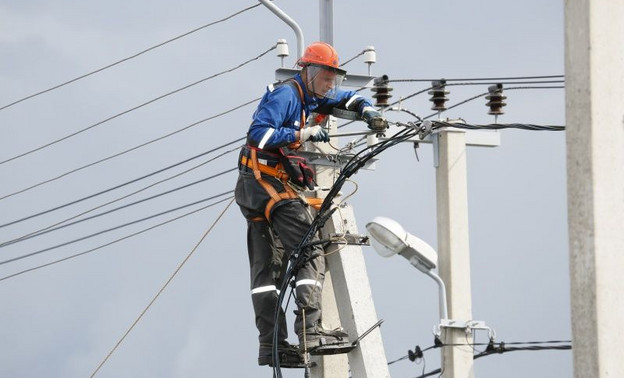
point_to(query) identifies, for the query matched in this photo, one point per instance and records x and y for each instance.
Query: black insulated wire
(128, 150)
(52, 229)
(498, 79)
(136, 107)
(114, 241)
(112, 229)
(119, 198)
(298, 256)
(120, 185)
(127, 58)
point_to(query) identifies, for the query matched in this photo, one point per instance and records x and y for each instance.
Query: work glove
(375, 120)
(314, 134)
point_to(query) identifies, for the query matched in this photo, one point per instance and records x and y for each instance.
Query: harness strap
(275, 196)
(296, 145)
(276, 172)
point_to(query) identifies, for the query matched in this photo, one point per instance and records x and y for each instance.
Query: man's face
(323, 82)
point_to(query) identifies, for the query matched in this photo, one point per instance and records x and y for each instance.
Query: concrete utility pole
(453, 248)
(595, 160)
(346, 270)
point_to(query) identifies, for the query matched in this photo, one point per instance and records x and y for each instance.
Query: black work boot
(317, 338)
(289, 355)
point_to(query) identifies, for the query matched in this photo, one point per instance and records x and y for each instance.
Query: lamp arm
(442, 295)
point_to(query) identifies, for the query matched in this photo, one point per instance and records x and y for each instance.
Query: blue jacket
(278, 115)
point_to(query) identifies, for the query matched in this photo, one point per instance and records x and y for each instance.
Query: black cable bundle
(325, 212)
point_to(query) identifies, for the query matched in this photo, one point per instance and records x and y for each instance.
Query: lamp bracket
(467, 326)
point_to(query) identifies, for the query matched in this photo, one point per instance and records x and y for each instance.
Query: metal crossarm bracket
(329, 160)
(351, 239)
(467, 326)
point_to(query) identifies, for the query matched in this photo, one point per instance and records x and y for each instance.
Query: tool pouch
(300, 174)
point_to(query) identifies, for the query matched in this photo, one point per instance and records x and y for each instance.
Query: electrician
(277, 217)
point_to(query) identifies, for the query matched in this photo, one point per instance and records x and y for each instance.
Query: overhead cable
(129, 150)
(483, 78)
(175, 272)
(112, 229)
(352, 59)
(486, 93)
(496, 126)
(297, 256)
(128, 58)
(120, 185)
(114, 241)
(58, 227)
(117, 199)
(492, 348)
(135, 108)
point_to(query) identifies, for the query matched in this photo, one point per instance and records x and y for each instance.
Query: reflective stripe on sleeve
(367, 108)
(353, 98)
(308, 282)
(265, 138)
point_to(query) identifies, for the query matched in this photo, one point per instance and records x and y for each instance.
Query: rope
(161, 289)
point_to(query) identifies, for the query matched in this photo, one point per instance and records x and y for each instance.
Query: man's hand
(314, 134)
(375, 120)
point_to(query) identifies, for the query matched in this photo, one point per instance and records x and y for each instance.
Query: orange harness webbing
(278, 173)
(275, 172)
(296, 145)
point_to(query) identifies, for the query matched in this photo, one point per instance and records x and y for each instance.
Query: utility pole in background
(594, 61)
(453, 248)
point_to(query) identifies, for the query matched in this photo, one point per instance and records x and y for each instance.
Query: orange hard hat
(319, 53)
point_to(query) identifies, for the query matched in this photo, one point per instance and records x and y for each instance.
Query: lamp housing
(388, 238)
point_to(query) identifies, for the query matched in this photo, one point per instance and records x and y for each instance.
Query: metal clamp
(349, 239)
(467, 326)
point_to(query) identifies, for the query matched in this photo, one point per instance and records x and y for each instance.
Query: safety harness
(278, 171)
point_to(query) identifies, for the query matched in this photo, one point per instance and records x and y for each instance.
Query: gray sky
(62, 321)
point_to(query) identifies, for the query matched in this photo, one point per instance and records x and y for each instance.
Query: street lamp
(389, 238)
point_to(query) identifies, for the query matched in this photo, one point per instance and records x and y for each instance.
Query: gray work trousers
(270, 246)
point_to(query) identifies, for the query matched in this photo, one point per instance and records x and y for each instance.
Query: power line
(136, 107)
(111, 229)
(485, 94)
(352, 59)
(482, 79)
(128, 58)
(128, 150)
(175, 272)
(297, 257)
(521, 126)
(51, 229)
(492, 348)
(114, 241)
(117, 199)
(120, 185)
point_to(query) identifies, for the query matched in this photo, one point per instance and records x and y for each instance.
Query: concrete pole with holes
(347, 297)
(595, 162)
